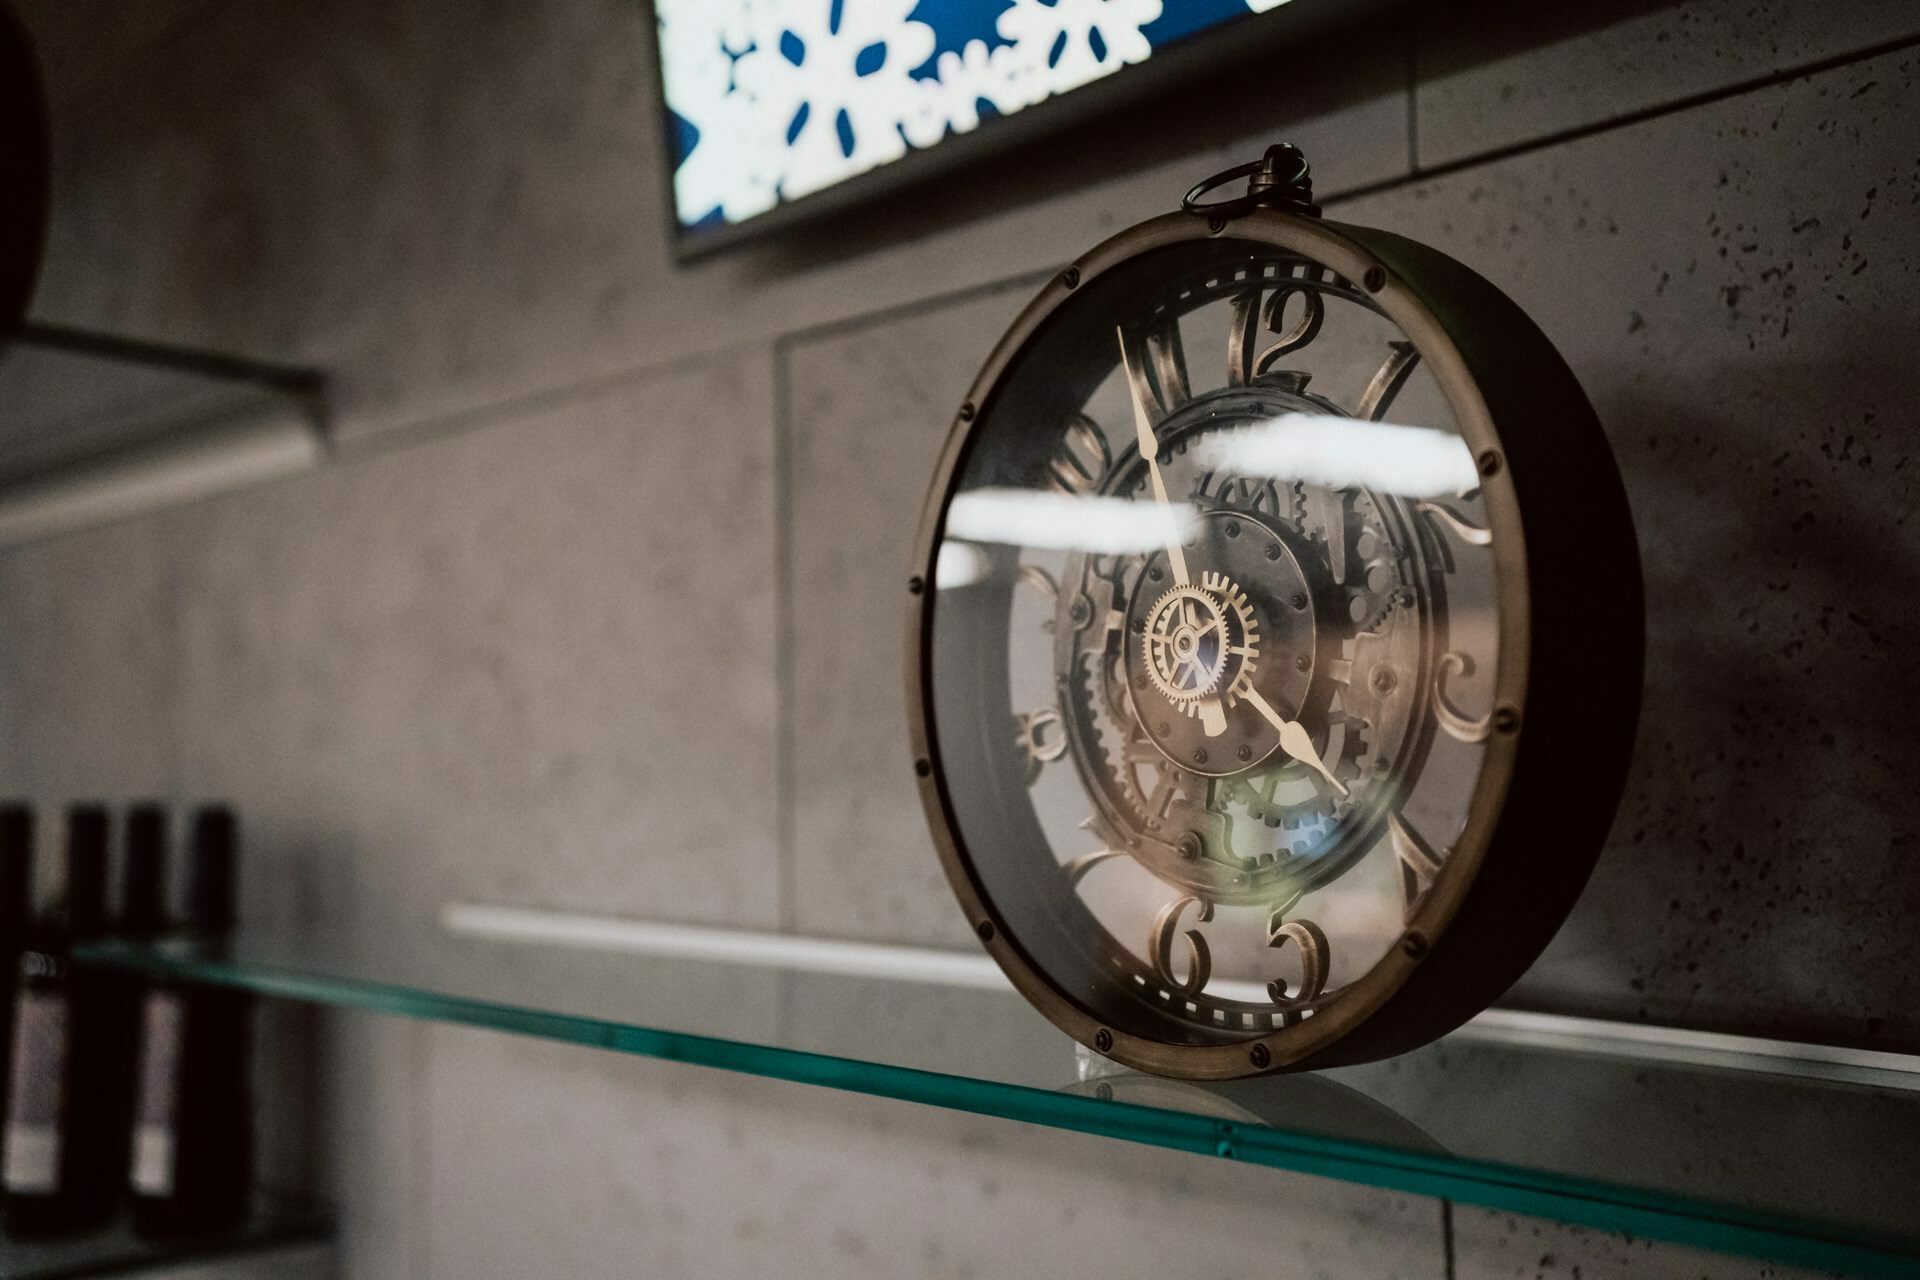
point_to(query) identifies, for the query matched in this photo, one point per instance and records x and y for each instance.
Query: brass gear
(1248, 650)
(1184, 646)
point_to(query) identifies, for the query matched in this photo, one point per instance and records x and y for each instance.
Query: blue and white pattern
(776, 99)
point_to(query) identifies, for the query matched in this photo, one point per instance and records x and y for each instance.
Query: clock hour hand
(1294, 738)
(1213, 716)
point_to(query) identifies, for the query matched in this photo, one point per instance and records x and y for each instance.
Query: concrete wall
(452, 662)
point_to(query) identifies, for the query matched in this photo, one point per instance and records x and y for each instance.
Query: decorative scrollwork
(1451, 718)
(1313, 313)
(1315, 955)
(1042, 736)
(1402, 359)
(1419, 864)
(1157, 368)
(1199, 956)
(1249, 314)
(1076, 870)
(1242, 333)
(1169, 365)
(1082, 459)
(1450, 520)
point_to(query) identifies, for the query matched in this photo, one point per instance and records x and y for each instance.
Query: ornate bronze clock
(1275, 641)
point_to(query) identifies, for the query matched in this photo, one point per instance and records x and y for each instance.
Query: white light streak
(1342, 453)
(960, 564)
(1066, 522)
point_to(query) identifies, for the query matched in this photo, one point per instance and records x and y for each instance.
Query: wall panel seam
(434, 428)
(1657, 111)
(786, 739)
(420, 1050)
(918, 307)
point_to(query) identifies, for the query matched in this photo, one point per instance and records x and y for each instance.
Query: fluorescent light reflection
(1342, 453)
(1068, 522)
(960, 564)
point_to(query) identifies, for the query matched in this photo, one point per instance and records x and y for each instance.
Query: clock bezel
(1560, 726)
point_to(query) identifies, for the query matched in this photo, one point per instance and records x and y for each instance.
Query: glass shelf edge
(277, 1223)
(1595, 1204)
(1527, 1029)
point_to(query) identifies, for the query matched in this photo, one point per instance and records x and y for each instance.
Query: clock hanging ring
(1275, 640)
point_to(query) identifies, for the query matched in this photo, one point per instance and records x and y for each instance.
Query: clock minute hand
(1294, 738)
(1213, 716)
(1149, 446)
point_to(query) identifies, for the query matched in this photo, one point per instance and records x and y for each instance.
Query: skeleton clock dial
(1275, 639)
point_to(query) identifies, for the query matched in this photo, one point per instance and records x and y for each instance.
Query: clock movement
(1275, 640)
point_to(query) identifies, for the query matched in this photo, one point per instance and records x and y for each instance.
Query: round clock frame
(1569, 648)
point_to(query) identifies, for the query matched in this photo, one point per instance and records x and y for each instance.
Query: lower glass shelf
(114, 1250)
(1815, 1173)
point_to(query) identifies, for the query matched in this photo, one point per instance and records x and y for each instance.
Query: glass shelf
(115, 1250)
(1814, 1173)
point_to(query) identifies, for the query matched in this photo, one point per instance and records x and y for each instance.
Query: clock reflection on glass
(1276, 637)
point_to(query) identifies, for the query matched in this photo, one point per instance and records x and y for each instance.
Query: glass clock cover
(1228, 632)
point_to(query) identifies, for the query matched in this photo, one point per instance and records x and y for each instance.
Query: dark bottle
(142, 916)
(61, 1109)
(143, 875)
(16, 904)
(193, 1131)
